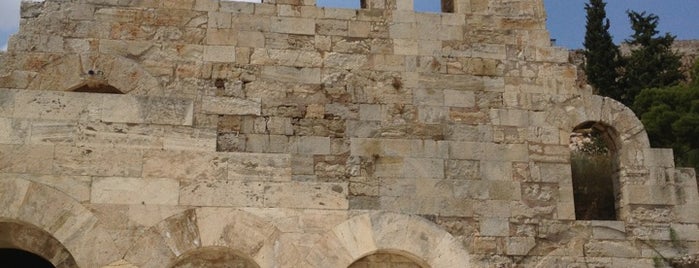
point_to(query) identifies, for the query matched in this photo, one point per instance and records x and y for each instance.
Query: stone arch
(73, 72)
(28, 238)
(595, 171)
(194, 230)
(213, 257)
(631, 139)
(389, 259)
(48, 215)
(407, 235)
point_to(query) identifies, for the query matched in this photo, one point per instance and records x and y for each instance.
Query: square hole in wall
(435, 6)
(353, 4)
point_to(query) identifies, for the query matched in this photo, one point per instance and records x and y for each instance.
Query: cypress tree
(652, 62)
(602, 56)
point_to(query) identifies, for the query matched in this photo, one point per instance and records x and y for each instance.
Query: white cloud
(4, 47)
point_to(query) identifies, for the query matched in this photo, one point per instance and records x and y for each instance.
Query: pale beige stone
(230, 106)
(265, 167)
(117, 190)
(97, 161)
(34, 159)
(184, 165)
(319, 195)
(222, 193)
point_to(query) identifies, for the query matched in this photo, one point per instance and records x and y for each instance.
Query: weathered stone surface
(134, 191)
(230, 106)
(281, 134)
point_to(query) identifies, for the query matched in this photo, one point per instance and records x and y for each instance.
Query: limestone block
(290, 25)
(222, 193)
(54, 105)
(310, 145)
(316, 195)
(387, 62)
(344, 61)
(332, 27)
(153, 110)
(356, 236)
(468, 132)
(77, 187)
(649, 194)
(686, 232)
(656, 157)
(286, 57)
(13, 131)
(453, 82)
(459, 98)
(291, 74)
(33, 159)
(151, 250)
(13, 193)
(423, 168)
(219, 20)
(466, 150)
(611, 249)
(520, 245)
(264, 167)
(7, 102)
(359, 28)
(407, 233)
(120, 264)
(97, 161)
(53, 132)
(463, 170)
(219, 53)
(117, 190)
(551, 172)
(230, 106)
(184, 165)
(240, 231)
(221, 37)
(608, 230)
(55, 212)
(237, 7)
(494, 227)
(496, 170)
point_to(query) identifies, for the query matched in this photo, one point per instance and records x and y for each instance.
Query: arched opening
(388, 260)
(595, 168)
(11, 257)
(213, 257)
(434, 6)
(98, 88)
(24, 245)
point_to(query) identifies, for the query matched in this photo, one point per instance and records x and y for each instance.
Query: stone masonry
(207, 133)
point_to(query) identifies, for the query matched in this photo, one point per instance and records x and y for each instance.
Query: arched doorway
(24, 245)
(387, 260)
(595, 168)
(213, 257)
(12, 257)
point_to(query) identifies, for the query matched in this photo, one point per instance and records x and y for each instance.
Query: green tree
(603, 59)
(652, 62)
(671, 118)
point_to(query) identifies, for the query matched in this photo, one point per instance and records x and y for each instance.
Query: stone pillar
(379, 4)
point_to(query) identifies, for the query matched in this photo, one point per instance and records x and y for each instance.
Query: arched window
(387, 260)
(595, 168)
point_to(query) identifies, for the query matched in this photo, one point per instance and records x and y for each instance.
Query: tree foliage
(671, 118)
(652, 62)
(602, 56)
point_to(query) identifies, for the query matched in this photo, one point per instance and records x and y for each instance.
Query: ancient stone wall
(161, 133)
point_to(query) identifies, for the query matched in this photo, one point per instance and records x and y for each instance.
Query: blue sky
(566, 18)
